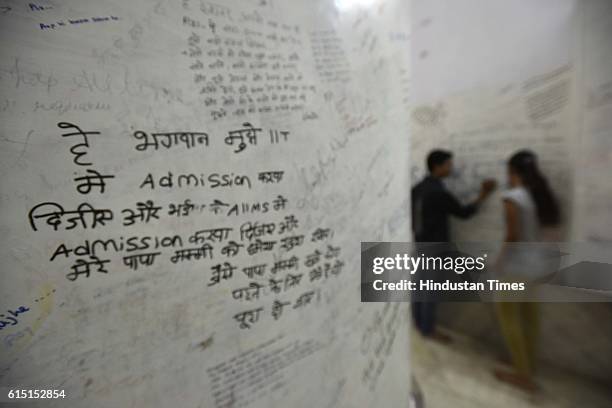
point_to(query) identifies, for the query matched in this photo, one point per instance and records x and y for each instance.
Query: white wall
(167, 334)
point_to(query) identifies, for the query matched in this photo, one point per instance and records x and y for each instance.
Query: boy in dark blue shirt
(432, 204)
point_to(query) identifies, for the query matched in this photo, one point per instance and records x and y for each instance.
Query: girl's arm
(513, 226)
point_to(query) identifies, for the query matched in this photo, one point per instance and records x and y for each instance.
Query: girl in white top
(521, 205)
(529, 205)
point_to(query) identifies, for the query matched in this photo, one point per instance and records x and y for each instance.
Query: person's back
(430, 221)
(432, 204)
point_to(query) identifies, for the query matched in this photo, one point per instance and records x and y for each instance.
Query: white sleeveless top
(526, 261)
(527, 213)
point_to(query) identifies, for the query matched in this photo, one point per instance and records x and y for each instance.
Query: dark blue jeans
(424, 315)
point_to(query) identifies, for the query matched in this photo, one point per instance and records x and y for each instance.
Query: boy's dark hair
(437, 157)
